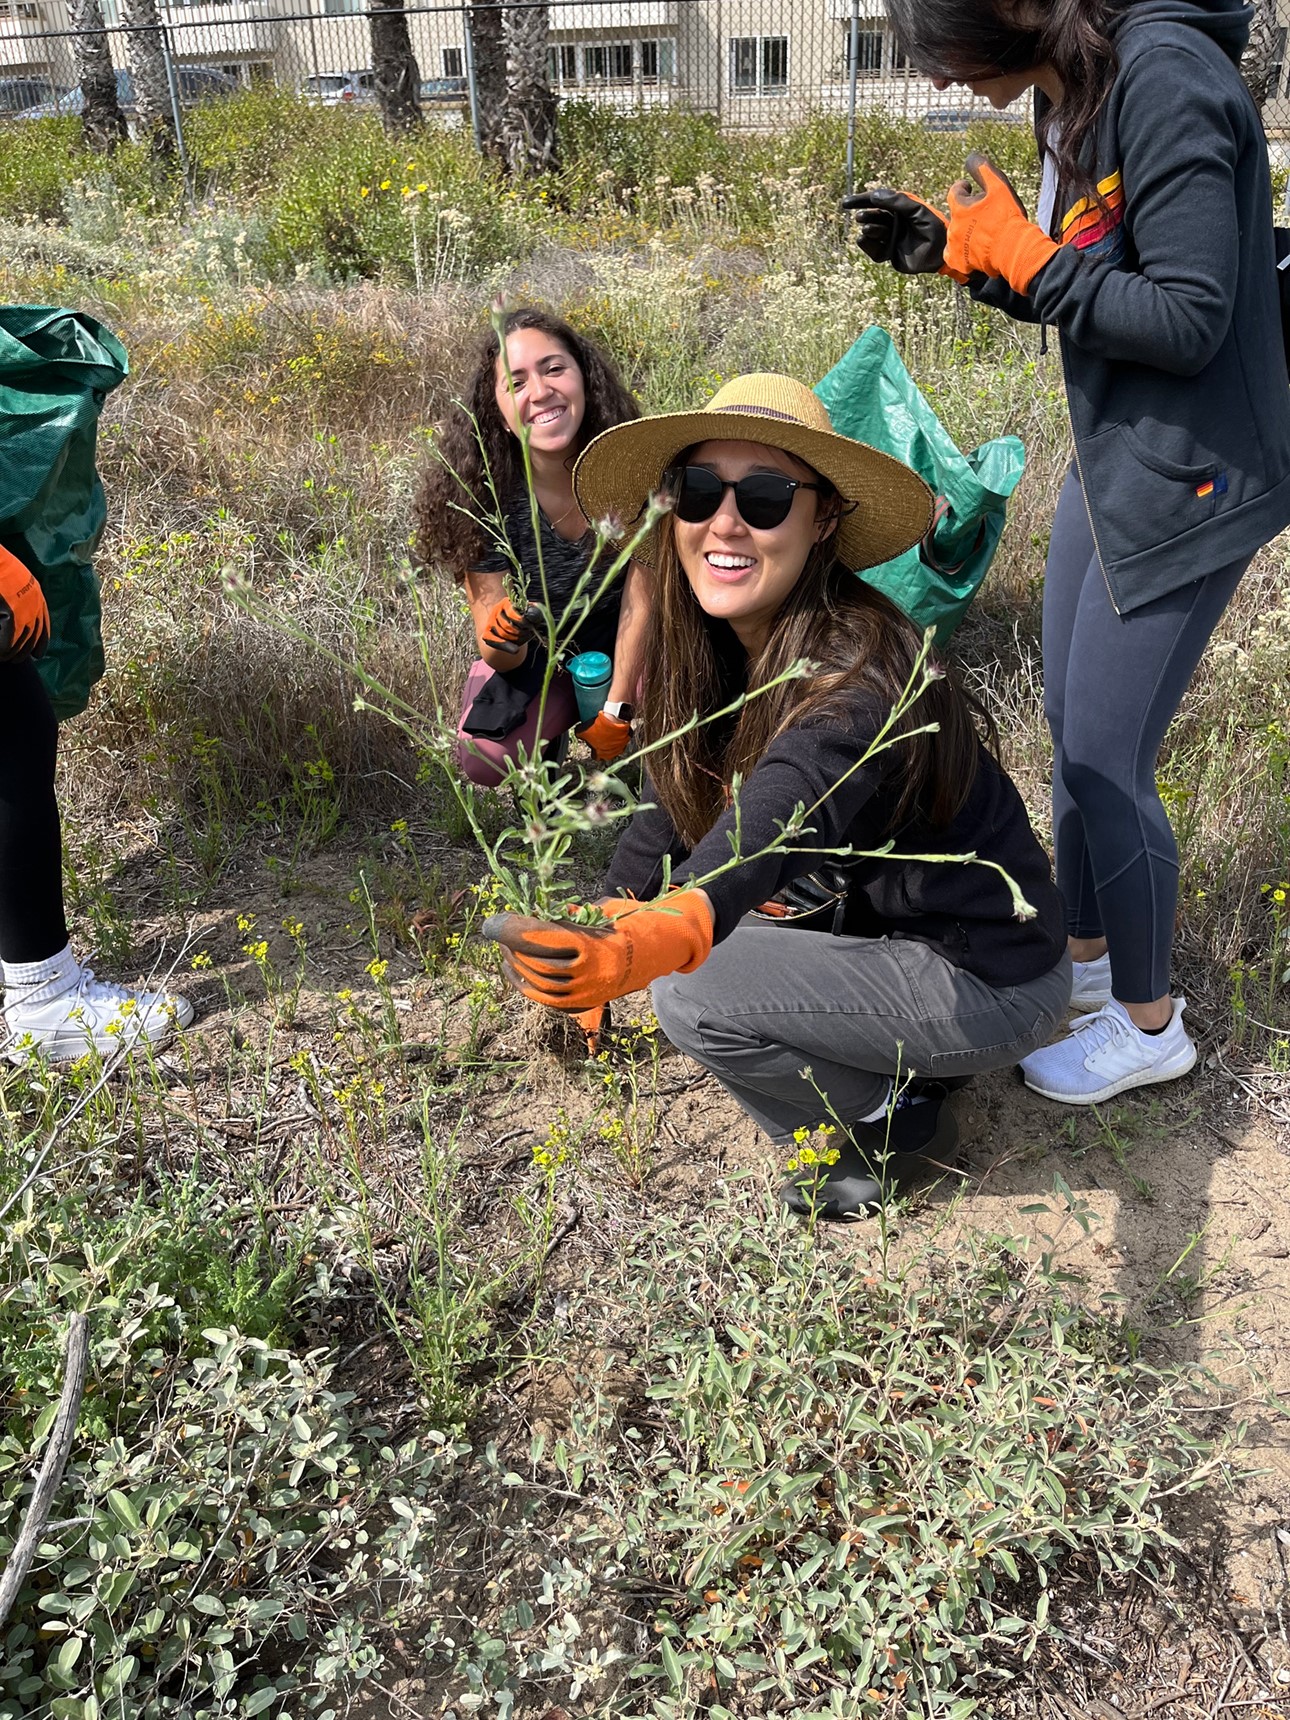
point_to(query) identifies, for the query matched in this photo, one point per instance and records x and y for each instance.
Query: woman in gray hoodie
(1153, 257)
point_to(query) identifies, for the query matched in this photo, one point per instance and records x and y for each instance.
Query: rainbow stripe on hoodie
(1095, 225)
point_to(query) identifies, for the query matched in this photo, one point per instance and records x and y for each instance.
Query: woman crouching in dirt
(922, 969)
(565, 391)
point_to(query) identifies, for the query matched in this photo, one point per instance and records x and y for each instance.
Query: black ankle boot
(875, 1162)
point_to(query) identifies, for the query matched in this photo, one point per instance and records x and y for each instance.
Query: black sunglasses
(764, 499)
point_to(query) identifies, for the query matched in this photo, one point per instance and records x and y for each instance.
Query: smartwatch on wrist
(619, 709)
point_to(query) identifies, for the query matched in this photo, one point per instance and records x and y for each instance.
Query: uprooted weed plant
(331, 1241)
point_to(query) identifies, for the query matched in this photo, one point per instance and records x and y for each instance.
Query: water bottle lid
(590, 668)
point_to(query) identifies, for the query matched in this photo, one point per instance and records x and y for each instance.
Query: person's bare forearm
(629, 649)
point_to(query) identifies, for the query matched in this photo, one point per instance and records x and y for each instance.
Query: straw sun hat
(618, 472)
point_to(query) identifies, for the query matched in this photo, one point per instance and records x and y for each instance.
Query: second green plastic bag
(872, 397)
(57, 367)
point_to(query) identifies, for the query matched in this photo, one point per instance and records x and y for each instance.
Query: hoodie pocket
(1141, 494)
(1176, 493)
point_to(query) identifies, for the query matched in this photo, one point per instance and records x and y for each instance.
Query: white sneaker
(92, 1015)
(1106, 1054)
(1091, 983)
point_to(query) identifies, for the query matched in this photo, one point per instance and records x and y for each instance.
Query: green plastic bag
(57, 368)
(872, 397)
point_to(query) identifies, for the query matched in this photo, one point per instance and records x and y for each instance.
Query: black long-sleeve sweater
(961, 909)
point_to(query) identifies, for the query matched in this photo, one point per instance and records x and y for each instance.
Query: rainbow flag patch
(1213, 486)
(1094, 225)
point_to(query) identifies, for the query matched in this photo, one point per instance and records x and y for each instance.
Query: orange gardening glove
(898, 228)
(592, 1022)
(574, 968)
(990, 233)
(606, 736)
(506, 629)
(24, 618)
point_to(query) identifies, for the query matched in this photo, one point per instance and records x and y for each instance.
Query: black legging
(1111, 685)
(32, 926)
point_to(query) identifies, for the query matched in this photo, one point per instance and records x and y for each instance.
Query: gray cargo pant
(776, 1012)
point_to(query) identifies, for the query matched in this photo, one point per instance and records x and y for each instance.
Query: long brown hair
(474, 442)
(860, 640)
(981, 38)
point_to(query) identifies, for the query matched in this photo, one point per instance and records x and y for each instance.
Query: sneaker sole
(1087, 1001)
(1142, 1078)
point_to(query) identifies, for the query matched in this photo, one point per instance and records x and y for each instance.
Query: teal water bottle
(591, 671)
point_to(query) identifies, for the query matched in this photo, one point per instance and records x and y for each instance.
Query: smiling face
(739, 574)
(545, 392)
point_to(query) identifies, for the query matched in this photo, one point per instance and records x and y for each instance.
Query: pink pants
(484, 761)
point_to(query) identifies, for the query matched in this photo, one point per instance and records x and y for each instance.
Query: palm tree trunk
(528, 126)
(488, 52)
(148, 69)
(101, 117)
(1260, 57)
(398, 80)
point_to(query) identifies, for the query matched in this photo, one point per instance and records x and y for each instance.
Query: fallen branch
(51, 1469)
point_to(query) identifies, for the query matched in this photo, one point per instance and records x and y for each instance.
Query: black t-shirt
(554, 579)
(961, 909)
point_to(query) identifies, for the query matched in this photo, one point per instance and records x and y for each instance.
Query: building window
(453, 63)
(658, 62)
(653, 62)
(337, 8)
(608, 62)
(562, 63)
(868, 51)
(759, 64)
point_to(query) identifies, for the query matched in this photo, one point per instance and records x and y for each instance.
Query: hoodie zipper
(1092, 524)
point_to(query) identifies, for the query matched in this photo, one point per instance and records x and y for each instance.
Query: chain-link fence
(756, 64)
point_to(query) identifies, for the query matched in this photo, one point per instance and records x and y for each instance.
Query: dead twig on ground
(51, 1469)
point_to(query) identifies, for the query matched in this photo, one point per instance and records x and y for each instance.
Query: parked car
(19, 93)
(436, 90)
(330, 89)
(959, 119)
(196, 84)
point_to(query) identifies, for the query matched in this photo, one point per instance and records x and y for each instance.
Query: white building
(754, 63)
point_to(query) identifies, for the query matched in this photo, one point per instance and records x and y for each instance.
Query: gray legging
(1111, 685)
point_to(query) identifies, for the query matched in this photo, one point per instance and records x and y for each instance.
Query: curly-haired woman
(562, 389)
